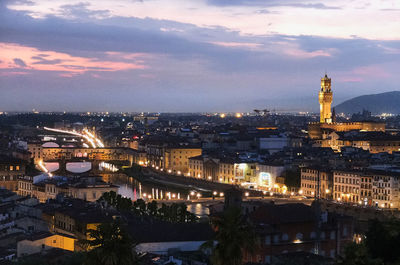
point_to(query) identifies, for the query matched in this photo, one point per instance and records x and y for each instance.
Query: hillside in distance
(388, 102)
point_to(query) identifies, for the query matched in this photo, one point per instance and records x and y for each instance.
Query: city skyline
(193, 56)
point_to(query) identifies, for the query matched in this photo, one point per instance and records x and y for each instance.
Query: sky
(194, 55)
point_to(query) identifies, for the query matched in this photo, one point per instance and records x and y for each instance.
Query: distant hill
(388, 102)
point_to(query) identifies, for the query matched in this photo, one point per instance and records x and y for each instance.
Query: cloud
(19, 62)
(271, 3)
(246, 45)
(315, 6)
(113, 61)
(81, 10)
(32, 58)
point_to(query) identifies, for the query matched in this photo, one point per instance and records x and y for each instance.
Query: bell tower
(325, 100)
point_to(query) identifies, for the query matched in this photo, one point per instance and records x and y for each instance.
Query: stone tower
(325, 100)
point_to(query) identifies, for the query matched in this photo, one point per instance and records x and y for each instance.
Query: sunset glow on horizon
(200, 55)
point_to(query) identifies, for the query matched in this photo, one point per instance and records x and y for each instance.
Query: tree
(292, 178)
(381, 246)
(357, 254)
(152, 208)
(383, 240)
(116, 200)
(140, 207)
(234, 235)
(176, 213)
(109, 244)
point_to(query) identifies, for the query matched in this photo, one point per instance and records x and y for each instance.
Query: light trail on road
(44, 169)
(88, 136)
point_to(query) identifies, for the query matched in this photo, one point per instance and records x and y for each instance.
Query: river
(131, 188)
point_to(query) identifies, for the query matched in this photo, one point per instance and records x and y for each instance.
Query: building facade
(316, 180)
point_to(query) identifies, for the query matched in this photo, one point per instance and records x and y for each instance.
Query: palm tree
(109, 244)
(234, 235)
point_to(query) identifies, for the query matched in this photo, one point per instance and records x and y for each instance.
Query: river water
(131, 188)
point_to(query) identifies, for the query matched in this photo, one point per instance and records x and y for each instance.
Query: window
(345, 231)
(285, 237)
(268, 240)
(313, 235)
(333, 235)
(276, 238)
(299, 236)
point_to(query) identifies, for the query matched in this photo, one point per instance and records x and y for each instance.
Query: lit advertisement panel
(265, 179)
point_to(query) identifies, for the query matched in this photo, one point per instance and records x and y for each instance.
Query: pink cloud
(363, 73)
(12, 56)
(372, 71)
(13, 73)
(237, 44)
(306, 54)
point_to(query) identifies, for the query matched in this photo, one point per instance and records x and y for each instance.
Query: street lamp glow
(246, 194)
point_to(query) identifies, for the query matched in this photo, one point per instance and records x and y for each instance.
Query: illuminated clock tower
(325, 100)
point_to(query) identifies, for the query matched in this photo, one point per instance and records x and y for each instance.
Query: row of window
(299, 236)
(347, 180)
(346, 189)
(9, 168)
